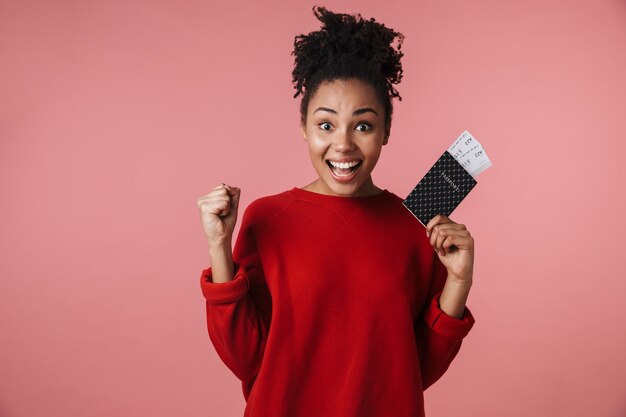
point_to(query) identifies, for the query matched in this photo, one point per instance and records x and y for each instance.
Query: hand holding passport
(449, 181)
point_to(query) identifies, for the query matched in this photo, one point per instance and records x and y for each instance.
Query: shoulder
(268, 206)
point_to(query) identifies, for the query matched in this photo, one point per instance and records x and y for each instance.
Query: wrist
(454, 296)
(220, 245)
(460, 282)
(221, 260)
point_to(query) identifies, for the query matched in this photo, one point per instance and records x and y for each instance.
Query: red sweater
(334, 308)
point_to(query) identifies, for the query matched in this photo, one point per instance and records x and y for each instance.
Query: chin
(345, 190)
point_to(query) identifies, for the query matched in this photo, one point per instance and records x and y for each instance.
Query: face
(345, 133)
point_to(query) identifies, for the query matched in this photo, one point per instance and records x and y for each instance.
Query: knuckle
(218, 193)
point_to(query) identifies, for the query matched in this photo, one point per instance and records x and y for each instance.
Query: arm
(453, 297)
(439, 334)
(238, 310)
(222, 266)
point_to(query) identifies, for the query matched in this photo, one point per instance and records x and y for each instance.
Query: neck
(367, 188)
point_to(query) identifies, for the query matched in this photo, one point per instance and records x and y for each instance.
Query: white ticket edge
(464, 144)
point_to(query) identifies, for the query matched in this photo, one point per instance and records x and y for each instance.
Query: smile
(344, 171)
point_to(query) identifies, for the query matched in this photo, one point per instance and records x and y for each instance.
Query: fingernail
(427, 233)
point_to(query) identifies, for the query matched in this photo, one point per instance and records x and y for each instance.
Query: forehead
(344, 94)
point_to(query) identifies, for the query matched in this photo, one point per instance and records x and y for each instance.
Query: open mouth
(344, 173)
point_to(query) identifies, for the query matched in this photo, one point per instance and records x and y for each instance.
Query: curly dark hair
(346, 47)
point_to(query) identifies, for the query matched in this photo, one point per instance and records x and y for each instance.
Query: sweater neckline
(337, 200)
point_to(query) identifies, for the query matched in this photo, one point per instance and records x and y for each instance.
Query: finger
(216, 191)
(434, 236)
(438, 219)
(442, 234)
(459, 241)
(214, 195)
(233, 193)
(223, 191)
(449, 243)
(433, 222)
(230, 189)
(208, 202)
(203, 200)
(437, 229)
(225, 209)
(217, 207)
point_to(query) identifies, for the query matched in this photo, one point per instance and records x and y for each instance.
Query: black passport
(441, 190)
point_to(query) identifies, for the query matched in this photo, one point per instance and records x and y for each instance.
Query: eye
(321, 125)
(366, 125)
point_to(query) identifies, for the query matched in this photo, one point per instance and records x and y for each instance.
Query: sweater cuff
(224, 292)
(447, 326)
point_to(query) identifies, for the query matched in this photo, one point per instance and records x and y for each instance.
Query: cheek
(315, 154)
(373, 154)
(317, 145)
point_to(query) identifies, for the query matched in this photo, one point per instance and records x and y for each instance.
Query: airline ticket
(470, 154)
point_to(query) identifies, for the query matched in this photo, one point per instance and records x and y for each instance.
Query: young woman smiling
(333, 301)
(345, 133)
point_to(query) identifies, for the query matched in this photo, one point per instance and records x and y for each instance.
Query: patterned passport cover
(441, 190)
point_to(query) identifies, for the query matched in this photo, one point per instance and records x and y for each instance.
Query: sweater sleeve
(438, 335)
(239, 311)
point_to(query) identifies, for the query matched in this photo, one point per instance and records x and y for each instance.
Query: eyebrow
(355, 113)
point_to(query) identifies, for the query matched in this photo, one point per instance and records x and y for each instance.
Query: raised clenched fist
(219, 213)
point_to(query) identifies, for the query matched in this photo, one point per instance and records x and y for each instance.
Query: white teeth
(343, 164)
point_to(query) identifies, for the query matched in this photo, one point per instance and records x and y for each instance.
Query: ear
(386, 138)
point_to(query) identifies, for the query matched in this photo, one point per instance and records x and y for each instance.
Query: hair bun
(343, 43)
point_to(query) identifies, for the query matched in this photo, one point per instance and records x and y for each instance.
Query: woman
(333, 302)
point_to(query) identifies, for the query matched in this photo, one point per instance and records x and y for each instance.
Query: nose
(342, 141)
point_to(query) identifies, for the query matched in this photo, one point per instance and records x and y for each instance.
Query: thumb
(235, 193)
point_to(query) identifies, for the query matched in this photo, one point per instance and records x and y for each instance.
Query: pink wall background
(116, 116)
